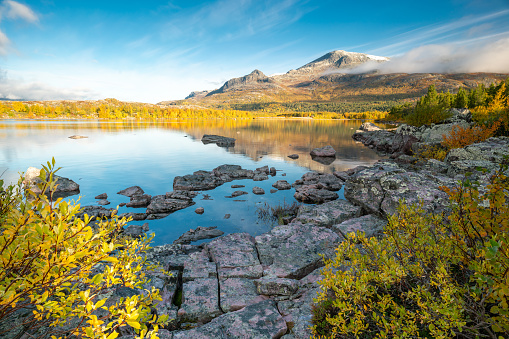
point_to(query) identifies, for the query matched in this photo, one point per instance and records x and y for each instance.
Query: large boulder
(326, 151)
(314, 194)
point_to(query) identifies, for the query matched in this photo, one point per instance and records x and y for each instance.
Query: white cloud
(473, 56)
(4, 43)
(16, 10)
(13, 10)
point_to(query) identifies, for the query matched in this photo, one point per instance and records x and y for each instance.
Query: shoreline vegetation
(113, 109)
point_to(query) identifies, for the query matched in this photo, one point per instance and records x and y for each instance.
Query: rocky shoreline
(240, 286)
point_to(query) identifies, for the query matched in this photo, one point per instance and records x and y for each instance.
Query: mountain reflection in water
(117, 155)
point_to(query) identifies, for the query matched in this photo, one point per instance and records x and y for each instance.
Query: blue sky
(151, 51)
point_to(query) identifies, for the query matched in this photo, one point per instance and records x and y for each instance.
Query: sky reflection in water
(117, 155)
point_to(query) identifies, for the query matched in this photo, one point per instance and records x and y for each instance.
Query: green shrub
(50, 268)
(430, 276)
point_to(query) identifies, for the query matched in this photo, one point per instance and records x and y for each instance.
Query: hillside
(329, 84)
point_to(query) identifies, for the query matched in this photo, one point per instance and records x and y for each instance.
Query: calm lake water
(117, 155)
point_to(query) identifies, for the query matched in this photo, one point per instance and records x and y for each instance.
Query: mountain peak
(340, 59)
(254, 78)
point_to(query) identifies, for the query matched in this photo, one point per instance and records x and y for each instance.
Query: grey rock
(293, 156)
(131, 191)
(78, 137)
(272, 171)
(328, 214)
(314, 194)
(160, 204)
(138, 201)
(260, 177)
(233, 172)
(273, 190)
(103, 202)
(199, 181)
(237, 293)
(102, 196)
(265, 169)
(282, 185)
(182, 195)
(200, 301)
(258, 190)
(298, 314)
(272, 285)
(326, 151)
(199, 210)
(369, 127)
(218, 140)
(136, 231)
(261, 320)
(327, 181)
(95, 212)
(198, 234)
(238, 193)
(235, 256)
(380, 188)
(238, 186)
(295, 250)
(134, 216)
(64, 187)
(370, 224)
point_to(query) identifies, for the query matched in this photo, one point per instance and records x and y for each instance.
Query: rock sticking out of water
(218, 140)
(326, 151)
(78, 137)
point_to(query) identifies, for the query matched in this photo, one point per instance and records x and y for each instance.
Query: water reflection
(117, 155)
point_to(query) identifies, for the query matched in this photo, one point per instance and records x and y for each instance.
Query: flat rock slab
(326, 181)
(272, 285)
(138, 201)
(294, 250)
(314, 194)
(261, 321)
(328, 214)
(200, 301)
(370, 224)
(160, 204)
(235, 256)
(237, 293)
(218, 140)
(199, 181)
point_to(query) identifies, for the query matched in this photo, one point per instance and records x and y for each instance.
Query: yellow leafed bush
(56, 269)
(430, 276)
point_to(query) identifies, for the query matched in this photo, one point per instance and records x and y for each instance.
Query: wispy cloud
(232, 19)
(13, 10)
(471, 26)
(16, 10)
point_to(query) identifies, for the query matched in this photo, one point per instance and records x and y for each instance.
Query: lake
(117, 155)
